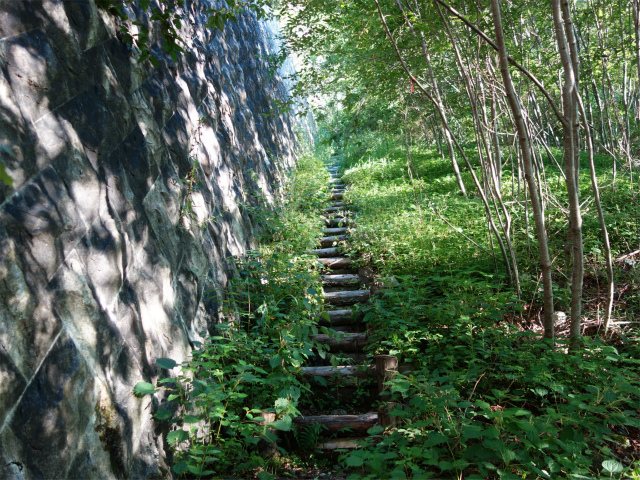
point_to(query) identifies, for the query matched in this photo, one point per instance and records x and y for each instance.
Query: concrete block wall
(101, 272)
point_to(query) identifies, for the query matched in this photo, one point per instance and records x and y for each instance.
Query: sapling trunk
(525, 151)
(566, 47)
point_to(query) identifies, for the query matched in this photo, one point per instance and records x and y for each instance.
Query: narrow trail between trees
(354, 379)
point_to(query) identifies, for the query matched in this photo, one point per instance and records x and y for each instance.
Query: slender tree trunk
(570, 92)
(525, 150)
(636, 31)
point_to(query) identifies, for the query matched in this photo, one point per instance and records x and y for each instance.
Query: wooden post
(267, 448)
(384, 417)
(386, 369)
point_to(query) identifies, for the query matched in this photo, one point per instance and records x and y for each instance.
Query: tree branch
(526, 72)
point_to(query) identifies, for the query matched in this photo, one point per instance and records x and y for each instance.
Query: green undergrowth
(482, 396)
(224, 406)
(491, 401)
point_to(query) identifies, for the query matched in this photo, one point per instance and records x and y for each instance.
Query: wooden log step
(344, 271)
(349, 443)
(326, 252)
(343, 342)
(338, 190)
(335, 262)
(339, 185)
(351, 371)
(338, 318)
(347, 298)
(333, 382)
(336, 222)
(330, 241)
(357, 424)
(335, 180)
(336, 196)
(340, 280)
(335, 231)
(339, 204)
(334, 209)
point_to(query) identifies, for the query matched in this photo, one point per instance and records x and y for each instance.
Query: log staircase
(343, 289)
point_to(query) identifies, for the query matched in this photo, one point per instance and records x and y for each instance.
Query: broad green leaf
(191, 419)
(612, 466)
(281, 403)
(163, 414)
(434, 439)
(275, 361)
(180, 468)
(284, 424)
(177, 436)
(445, 465)
(144, 388)
(166, 363)
(354, 460)
(472, 431)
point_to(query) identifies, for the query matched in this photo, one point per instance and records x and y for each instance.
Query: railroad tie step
(339, 318)
(336, 222)
(335, 231)
(357, 424)
(330, 241)
(344, 271)
(348, 375)
(335, 180)
(334, 263)
(339, 185)
(340, 280)
(337, 196)
(343, 342)
(349, 443)
(326, 252)
(334, 210)
(347, 298)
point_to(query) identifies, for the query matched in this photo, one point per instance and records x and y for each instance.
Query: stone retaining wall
(103, 269)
